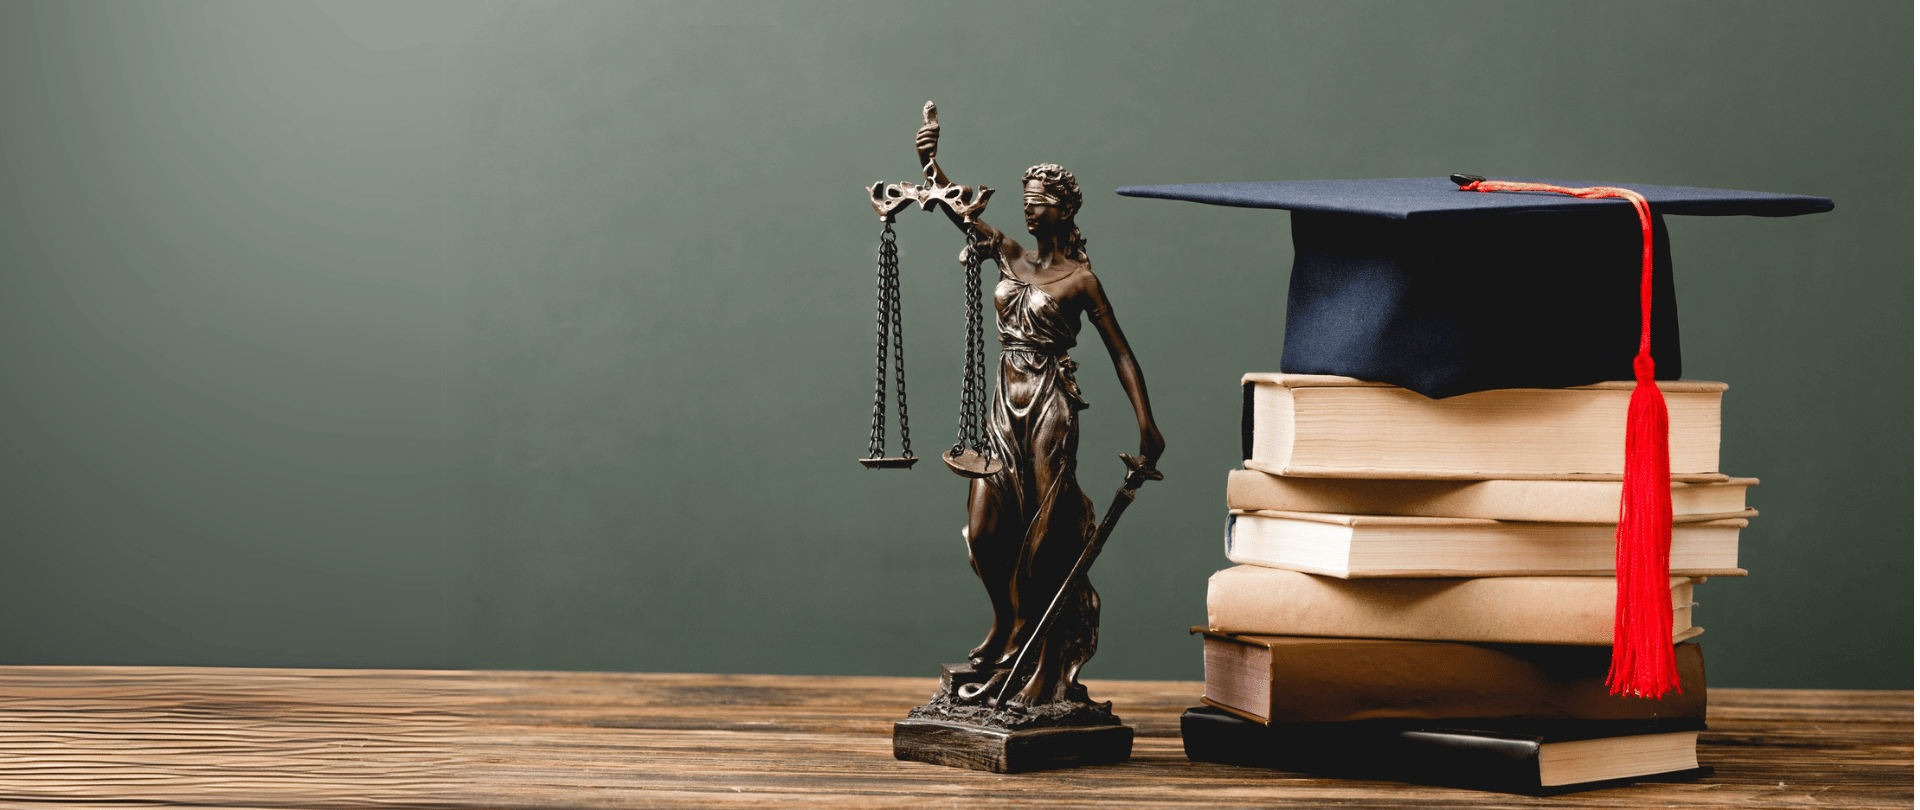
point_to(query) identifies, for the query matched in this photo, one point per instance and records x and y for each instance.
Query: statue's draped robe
(1037, 519)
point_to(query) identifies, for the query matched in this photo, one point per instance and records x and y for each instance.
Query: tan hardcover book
(1335, 427)
(1296, 679)
(1249, 599)
(1530, 500)
(1350, 546)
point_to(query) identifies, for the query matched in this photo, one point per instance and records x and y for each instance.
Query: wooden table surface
(145, 736)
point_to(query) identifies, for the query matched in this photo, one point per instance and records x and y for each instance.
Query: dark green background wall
(514, 335)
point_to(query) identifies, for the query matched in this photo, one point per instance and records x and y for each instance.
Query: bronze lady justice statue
(1030, 529)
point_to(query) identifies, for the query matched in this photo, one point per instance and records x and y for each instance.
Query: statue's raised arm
(962, 204)
(926, 142)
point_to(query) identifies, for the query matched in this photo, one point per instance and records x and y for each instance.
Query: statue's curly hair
(1062, 185)
(1058, 182)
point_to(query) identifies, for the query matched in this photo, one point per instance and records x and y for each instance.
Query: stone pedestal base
(960, 745)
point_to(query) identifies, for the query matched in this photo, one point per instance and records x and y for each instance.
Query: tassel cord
(1643, 663)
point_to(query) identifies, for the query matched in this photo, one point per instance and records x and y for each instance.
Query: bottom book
(1531, 758)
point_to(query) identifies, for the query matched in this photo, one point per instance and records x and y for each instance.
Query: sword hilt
(1139, 471)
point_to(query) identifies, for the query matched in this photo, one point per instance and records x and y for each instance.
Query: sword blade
(1137, 474)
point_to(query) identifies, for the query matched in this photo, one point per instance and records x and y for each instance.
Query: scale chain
(888, 304)
(975, 439)
(980, 353)
(899, 344)
(973, 394)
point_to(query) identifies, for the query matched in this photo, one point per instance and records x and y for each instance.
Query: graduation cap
(1414, 283)
(1421, 283)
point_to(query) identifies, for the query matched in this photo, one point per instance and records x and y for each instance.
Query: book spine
(1394, 433)
(1377, 752)
(1361, 546)
(1246, 420)
(1385, 751)
(1343, 680)
(1522, 610)
(1531, 500)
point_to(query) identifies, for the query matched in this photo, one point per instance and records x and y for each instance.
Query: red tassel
(1643, 608)
(1643, 604)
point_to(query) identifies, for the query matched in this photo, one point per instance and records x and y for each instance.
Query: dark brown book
(1531, 757)
(1291, 679)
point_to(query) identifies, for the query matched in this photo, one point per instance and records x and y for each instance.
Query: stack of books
(1425, 591)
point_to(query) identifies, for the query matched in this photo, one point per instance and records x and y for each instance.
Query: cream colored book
(1336, 427)
(1351, 546)
(1530, 500)
(1519, 610)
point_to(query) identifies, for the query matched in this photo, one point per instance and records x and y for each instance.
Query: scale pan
(895, 463)
(972, 464)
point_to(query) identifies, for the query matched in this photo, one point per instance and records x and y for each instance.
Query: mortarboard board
(1411, 282)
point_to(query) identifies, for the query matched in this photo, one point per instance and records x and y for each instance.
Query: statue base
(960, 732)
(963, 745)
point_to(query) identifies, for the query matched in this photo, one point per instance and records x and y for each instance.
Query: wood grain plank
(692, 730)
(157, 736)
(83, 736)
